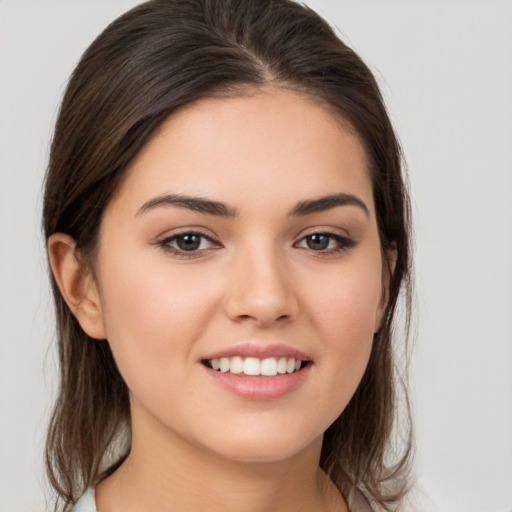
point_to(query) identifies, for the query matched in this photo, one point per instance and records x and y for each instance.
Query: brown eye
(326, 243)
(317, 242)
(188, 242)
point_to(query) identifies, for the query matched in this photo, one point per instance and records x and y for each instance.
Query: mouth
(255, 367)
(259, 371)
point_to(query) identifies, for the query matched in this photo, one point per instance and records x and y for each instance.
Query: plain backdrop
(445, 67)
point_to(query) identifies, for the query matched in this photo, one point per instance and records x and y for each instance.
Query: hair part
(153, 60)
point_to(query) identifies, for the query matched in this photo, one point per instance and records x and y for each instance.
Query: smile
(253, 366)
(258, 371)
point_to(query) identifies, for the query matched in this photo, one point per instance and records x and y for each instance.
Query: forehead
(270, 145)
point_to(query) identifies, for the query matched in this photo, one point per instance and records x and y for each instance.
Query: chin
(264, 446)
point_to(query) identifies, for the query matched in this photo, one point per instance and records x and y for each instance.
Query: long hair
(154, 59)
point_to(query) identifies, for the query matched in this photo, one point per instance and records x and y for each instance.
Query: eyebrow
(326, 203)
(219, 209)
(196, 204)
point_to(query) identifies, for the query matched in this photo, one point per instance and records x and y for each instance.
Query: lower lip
(259, 388)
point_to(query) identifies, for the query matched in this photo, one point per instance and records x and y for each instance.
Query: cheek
(347, 301)
(153, 313)
(344, 310)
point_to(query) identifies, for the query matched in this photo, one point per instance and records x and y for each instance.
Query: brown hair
(156, 58)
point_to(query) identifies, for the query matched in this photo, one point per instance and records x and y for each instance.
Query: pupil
(188, 242)
(318, 242)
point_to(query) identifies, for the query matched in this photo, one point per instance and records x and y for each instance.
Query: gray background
(445, 68)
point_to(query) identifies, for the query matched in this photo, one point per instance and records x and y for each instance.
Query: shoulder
(87, 503)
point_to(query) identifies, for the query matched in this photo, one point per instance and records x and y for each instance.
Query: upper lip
(260, 351)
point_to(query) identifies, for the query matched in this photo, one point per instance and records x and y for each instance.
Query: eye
(326, 242)
(188, 244)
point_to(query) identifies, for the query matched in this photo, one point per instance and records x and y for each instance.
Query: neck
(166, 473)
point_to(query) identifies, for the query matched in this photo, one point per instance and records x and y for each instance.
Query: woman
(227, 229)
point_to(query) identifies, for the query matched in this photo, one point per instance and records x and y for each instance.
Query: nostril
(263, 297)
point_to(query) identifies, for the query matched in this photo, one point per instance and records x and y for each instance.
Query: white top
(87, 503)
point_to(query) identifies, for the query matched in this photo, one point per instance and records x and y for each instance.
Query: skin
(196, 445)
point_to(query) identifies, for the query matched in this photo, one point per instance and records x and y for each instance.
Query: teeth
(281, 365)
(224, 364)
(269, 366)
(254, 366)
(237, 365)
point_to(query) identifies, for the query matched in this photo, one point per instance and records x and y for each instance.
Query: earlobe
(392, 256)
(76, 285)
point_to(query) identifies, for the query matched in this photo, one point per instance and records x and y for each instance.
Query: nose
(261, 290)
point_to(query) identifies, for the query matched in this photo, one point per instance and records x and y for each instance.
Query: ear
(76, 284)
(388, 269)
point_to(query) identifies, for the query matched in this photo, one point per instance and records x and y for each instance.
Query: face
(239, 273)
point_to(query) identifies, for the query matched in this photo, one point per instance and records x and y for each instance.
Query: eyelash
(166, 246)
(343, 243)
